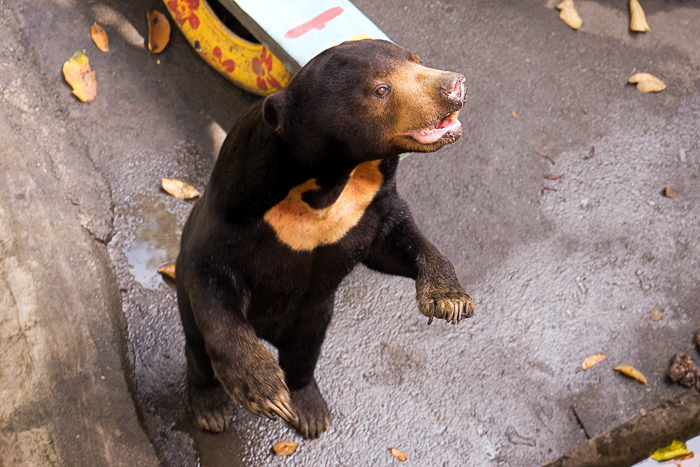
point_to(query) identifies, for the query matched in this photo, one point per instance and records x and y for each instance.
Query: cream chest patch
(304, 228)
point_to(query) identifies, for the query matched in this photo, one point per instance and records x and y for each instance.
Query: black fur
(237, 282)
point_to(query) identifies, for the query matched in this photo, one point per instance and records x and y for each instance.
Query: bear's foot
(452, 308)
(443, 299)
(313, 416)
(212, 407)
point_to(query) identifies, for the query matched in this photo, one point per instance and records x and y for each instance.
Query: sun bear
(304, 189)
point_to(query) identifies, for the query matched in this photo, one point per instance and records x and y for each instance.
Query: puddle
(693, 446)
(155, 243)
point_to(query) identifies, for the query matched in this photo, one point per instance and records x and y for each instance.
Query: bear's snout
(453, 87)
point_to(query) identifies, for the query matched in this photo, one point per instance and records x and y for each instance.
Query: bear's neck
(331, 183)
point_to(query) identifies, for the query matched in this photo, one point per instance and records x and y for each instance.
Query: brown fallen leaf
(638, 20)
(592, 360)
(632, 373)
(655, 314)
(670, 192)
(285, 448)
(688, 380)
(546, 156)
(400, 455)
(680, 367)
(569, 15)
(99, 37)
(81, 78)
(552, 177)
(168, 271)
(158, 31)
(647, 82)
(179, 189)
(591, 153)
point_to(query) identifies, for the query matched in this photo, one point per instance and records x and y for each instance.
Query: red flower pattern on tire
(262, 66)
(184, 11)
(228, 65)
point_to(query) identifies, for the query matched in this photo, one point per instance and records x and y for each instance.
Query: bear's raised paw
(451, 306)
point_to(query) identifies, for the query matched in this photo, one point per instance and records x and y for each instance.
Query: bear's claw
(283, 410)
(452, 309)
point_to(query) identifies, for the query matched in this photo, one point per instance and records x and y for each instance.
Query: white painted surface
(304, 28)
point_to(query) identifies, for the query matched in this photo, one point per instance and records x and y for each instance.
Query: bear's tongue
(433, 133)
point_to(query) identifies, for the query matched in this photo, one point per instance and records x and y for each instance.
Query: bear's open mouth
(432, 134)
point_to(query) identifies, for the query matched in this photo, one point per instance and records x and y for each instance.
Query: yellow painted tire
(250, 66)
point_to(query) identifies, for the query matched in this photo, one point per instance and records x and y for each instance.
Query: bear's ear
(273, 111)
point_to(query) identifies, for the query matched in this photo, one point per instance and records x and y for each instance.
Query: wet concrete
(558, 275)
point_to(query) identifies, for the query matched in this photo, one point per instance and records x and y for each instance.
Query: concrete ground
(558, 274)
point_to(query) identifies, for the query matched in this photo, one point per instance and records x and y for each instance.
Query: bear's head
(367, 100)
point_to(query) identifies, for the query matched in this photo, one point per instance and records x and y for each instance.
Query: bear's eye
(382, 90)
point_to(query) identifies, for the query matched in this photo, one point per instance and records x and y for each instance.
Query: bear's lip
(434, 133)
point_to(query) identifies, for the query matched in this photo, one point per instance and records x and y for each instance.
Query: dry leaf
(670, 192)
(638, 20)
(168, 271)
(548, 157)
(400, 455)
(680, 367)
(673, 450)
(285, 448)
(592, 360)
(656, 314)
(569, 15)
(78, 74)
(632, 373)
(179, 189)
(158, 31)
(647, 82)
(688, 380)
(99, 37)
(514, 114)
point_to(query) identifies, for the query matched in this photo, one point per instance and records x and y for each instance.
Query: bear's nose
(453, 87)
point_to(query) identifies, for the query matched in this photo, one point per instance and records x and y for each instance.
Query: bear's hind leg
(299, 350)
(211, 406)
(312, 410)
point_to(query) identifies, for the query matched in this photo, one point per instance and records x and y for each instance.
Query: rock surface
(64, 398)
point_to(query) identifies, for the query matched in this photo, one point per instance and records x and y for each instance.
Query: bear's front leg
(225, 356)
(401, 249)
(249, 372)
